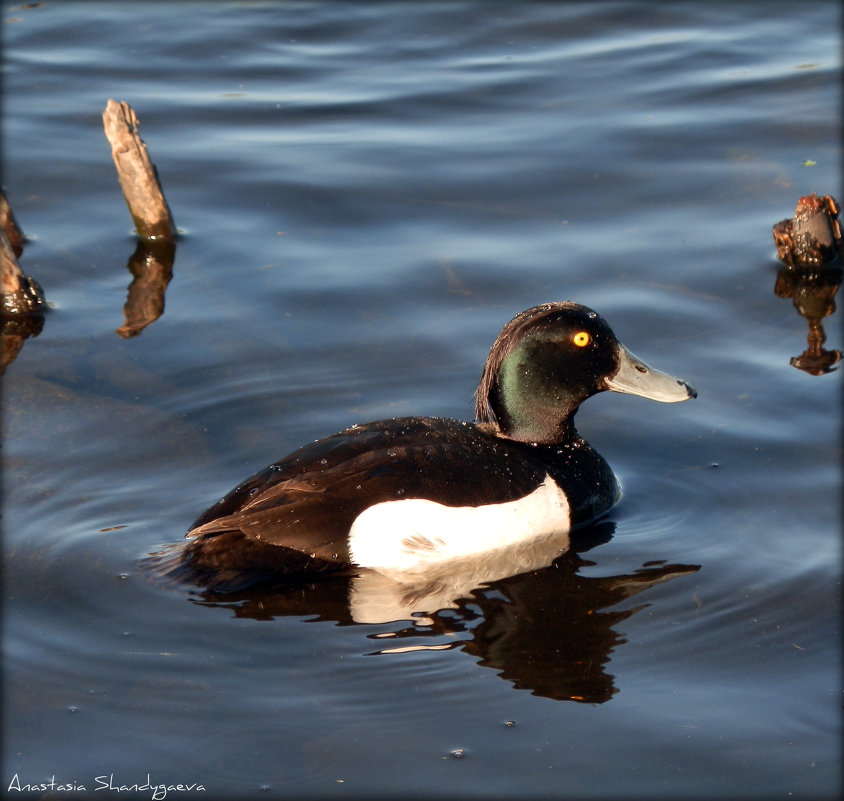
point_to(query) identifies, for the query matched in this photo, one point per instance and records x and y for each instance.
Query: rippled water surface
(365, 194)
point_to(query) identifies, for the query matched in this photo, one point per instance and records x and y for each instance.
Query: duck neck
(535, 427)
(534, 409)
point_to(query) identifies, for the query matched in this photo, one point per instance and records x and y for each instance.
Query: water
(366, 194)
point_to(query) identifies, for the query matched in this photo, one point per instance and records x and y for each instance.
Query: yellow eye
(581, 339)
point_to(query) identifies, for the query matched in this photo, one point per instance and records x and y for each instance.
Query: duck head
(549, 359)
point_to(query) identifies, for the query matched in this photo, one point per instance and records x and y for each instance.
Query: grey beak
(634, 377)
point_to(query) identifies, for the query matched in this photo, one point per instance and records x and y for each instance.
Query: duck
(404, 494)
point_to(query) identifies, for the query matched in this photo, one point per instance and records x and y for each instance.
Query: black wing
(309, 500)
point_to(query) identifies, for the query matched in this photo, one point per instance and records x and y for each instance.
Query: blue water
(366, 193)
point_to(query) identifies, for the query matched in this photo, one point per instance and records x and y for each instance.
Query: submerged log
(22, 303)
(10, 226)
(137, 174)
(20, 293)
(810, 245)
(813, 236)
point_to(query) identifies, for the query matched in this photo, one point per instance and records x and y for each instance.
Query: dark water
(366, 193)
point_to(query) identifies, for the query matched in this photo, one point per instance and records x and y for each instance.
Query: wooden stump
(20, 293)
(813, 236)
(10, 226)
(22, 303)
(137, 174)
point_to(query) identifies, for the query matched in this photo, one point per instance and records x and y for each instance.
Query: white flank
(415, 533)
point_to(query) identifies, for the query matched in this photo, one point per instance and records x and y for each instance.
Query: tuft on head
(486, 401)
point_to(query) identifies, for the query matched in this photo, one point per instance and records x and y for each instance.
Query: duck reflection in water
(548, 629)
